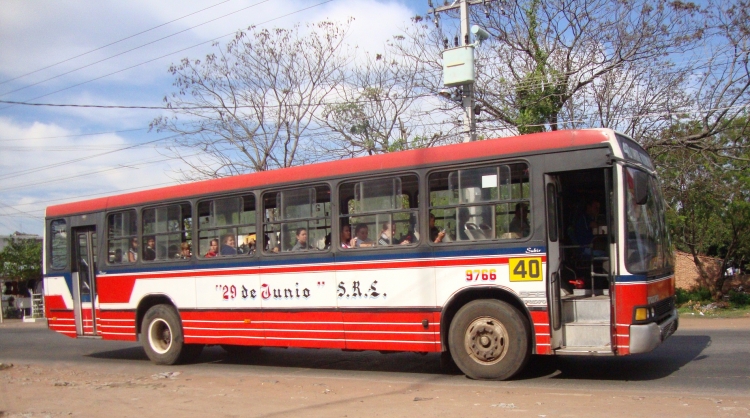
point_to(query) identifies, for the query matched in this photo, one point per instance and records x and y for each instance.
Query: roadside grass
(698, 303)
(715, 313)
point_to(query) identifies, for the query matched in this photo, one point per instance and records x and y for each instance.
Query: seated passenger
(301, 244)
(436, 235)
(386, 236)
(213, 249)
(149, 253)
(272, 243)
(185, 252)
(174, 252)
(248, 246)
(133, 250)
(520, 222)
(361, 239)
(346, 237)
(228, 245)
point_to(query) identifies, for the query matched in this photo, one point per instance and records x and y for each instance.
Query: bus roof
(392, 161)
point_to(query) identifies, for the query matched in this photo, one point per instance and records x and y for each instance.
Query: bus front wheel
(162, 337)
(487, 340)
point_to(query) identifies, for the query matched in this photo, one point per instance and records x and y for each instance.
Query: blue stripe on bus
(641, 278)
(354, 257)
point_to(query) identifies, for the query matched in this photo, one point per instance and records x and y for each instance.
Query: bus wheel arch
(495, 313)
(145, 304)
(161, 334)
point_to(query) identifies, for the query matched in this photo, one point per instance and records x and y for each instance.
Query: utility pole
(467, 90)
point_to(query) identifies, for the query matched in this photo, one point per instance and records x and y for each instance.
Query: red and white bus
(552, 243)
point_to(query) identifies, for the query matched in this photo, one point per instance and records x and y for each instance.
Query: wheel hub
(485, 340)
(160, 336)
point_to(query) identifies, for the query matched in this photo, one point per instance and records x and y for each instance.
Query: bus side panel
(388, 301)
(223, 327)
(317, 329)
(116, 325)
(58, 305)
(454, 275)
(393, 331)
(635, 291)
(541, 331)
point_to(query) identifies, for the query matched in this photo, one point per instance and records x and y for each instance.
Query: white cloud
(42, 164)
(38, 33)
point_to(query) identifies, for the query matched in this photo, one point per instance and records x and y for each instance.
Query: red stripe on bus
(54, 302)
(397, 160)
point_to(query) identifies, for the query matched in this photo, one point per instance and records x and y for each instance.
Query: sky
(111, 52)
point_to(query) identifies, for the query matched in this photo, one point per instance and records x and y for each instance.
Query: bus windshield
(648, 248)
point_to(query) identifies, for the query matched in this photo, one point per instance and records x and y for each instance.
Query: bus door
(554, 259)
(84, 280)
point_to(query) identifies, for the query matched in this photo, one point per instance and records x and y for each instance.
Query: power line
(119, 167)
(171, 53)
(129, 50)
(72, 136)
(110, 44)
(75, 160)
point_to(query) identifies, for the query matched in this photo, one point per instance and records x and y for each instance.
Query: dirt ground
(62, 390)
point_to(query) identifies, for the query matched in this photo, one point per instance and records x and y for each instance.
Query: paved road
(701, 358)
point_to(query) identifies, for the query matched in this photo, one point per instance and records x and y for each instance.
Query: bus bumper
(644, 338)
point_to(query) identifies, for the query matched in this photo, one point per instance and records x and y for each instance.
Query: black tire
(162, 337)
(488, 340)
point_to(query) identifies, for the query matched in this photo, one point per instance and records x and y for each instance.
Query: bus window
(58, 244)
(480, 204)
(226, 227)
(165, 228)
(122, 238)
(381, 212)
(297, 220)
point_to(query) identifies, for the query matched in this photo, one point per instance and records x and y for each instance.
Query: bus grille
(663, 308)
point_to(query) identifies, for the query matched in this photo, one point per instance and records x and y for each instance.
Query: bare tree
(718, 87)
(381, 108)
(251, 105)
(549, 56)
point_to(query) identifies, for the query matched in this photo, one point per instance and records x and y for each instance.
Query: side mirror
(640, 180)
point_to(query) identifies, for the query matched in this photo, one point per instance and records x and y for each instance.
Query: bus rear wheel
(488, 340)
(162, 337)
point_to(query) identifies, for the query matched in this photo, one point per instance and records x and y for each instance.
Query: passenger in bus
(185, 252)
(228, 245)
(149, 253)
(361, 233)
(133, 250)
(272, 248)
(301, 244)
(436, 235)
(118, 256)
(585, 225)
(387, 238)
(412, 234)
(213, 249)
(248, 246)
(346, 237)
(174, 252)
(520, 223)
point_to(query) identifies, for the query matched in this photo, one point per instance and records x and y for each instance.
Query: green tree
(708, 198)
(21, 260)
